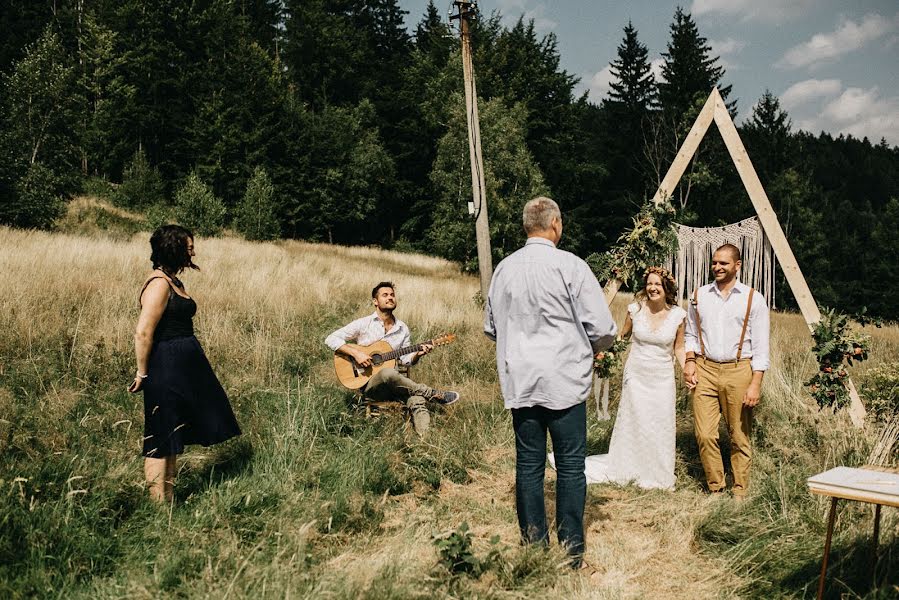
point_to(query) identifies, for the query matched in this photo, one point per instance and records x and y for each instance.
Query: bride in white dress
(642, 446)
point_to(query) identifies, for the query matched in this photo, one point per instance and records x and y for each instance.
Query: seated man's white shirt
(367, 330)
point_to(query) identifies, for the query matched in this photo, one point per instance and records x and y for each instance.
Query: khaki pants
(720, 391)
(389, 385)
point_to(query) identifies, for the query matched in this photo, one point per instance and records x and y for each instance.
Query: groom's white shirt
(722, 322)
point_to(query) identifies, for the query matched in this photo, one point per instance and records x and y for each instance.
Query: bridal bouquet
(607, 363)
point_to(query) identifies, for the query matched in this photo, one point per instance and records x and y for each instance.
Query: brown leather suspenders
(742, 333)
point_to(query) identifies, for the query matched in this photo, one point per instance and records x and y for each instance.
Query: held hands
(690, 376)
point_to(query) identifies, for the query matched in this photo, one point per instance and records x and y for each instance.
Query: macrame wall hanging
(691, 264)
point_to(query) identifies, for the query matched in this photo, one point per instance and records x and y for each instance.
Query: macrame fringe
(691, 264)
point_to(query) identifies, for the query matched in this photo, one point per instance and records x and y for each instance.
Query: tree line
(329, 120)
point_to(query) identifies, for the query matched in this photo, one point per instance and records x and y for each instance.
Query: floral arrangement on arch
(607, 363)
(837, 345)
(649, 242)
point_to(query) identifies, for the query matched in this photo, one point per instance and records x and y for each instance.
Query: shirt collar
(376, 319)
(539, 240)
(739, 287)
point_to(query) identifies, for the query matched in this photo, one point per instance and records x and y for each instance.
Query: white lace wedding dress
(642, 446)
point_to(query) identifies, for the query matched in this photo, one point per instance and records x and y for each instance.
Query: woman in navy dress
(183, 401)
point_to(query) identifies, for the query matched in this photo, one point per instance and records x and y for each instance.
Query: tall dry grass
(315, 500)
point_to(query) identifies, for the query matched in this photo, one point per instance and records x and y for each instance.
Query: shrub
(257, 217)
(98, 188)
(35, 201)
(458, 557)
(142, 185)
(160, 214)
(198, 209)
(880, 391)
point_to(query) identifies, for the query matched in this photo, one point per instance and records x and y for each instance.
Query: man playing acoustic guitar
(388, 384)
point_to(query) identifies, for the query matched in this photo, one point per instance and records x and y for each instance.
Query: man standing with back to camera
(548, 316)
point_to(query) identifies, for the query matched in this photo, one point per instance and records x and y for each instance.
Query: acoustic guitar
(353, 376)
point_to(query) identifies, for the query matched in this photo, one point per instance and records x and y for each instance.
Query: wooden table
(873, 485)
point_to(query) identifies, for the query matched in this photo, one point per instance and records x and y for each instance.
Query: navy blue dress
(184, 403)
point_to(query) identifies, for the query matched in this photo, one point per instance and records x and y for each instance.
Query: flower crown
(662, 273)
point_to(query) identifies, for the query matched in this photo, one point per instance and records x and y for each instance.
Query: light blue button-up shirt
(548, 316)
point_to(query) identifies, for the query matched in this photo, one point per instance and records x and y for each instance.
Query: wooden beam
(686, 152)
(766, 213)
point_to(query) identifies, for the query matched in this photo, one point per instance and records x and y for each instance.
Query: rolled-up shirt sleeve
(691, 333)
(406, 359)
(760, 323)
(594, 312)
(345, 334)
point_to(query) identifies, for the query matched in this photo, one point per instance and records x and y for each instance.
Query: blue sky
(833, 64)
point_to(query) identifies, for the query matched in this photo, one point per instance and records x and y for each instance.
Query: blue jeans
(568, 431)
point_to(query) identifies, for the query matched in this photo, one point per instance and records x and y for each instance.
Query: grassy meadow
(315, 499)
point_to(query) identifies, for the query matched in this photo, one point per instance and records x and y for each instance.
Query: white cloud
(770, 11)
(726, 49)
(655, 67)
(511, 10)
(727, 46)
(860, 112)
(600, 83)
(811, 89)
(849, 36)
(852, 104)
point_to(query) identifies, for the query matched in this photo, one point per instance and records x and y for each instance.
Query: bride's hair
(668, 284)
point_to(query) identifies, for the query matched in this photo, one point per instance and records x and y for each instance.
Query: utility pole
(478, 207)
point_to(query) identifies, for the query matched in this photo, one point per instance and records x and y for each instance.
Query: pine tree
(767, 135)
(634, 84)
(102, 93)
(433, 37)
(689, 72)
(625, 114)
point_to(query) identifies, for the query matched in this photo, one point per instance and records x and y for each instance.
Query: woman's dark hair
(169, 249)
(669, 285)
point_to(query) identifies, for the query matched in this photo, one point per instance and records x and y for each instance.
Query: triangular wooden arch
(715, 110)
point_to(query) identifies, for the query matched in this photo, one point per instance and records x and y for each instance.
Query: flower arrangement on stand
(837, 345)
(649, 242)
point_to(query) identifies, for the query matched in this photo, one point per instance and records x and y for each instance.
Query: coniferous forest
(329, 120)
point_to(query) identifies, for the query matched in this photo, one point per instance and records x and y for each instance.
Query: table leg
(830, 522)
(876, 532)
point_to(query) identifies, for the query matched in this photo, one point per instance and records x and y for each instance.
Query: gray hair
(538, 214)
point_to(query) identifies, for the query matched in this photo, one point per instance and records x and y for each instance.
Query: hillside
(316, 500)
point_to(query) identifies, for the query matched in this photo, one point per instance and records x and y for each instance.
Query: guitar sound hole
(376, 359)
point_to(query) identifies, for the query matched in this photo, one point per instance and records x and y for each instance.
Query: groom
(548, 316)
(726, 343)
